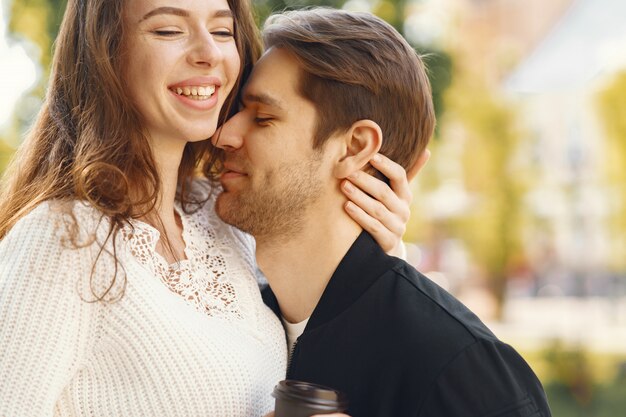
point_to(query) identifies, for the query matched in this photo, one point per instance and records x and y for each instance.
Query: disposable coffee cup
(303, 399)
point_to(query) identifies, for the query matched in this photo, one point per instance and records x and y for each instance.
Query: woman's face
(180, 64)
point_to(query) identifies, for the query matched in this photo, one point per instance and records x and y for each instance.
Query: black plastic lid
(309, 393)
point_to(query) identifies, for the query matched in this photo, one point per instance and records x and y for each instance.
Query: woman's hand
(385, 212)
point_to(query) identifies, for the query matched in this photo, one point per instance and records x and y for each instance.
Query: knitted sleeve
(46, 329)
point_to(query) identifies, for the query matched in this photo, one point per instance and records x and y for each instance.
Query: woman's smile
(200, 93)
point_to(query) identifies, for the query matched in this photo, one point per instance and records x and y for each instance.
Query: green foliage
(439, 65)
(266, 7)
(612, 112)
(390, 10)
(491, 230)
(39, 21)
(5, 154)
(575, 391)
(612, 108)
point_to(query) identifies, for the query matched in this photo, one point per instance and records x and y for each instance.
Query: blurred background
(521, 211)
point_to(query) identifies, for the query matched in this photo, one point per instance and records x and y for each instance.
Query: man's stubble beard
(277, 209)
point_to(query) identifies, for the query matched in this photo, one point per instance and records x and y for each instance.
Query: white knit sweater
(187, 340)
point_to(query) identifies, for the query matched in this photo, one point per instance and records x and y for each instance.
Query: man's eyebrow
(182, 12)
(262, 98)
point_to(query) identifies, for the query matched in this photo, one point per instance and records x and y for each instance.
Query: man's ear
(412, 172)
(362, 141)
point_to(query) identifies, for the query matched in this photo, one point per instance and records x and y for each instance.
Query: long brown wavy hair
(87, 142)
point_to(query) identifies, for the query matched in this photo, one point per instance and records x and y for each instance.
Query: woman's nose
(205, 51)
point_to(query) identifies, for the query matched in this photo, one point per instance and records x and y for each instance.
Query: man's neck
(299, 267)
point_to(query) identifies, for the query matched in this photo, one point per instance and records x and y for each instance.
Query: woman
(121, 293)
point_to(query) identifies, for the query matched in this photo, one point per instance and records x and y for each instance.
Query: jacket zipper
(290, 359)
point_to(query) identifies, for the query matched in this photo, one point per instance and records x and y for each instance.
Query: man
(332, 89)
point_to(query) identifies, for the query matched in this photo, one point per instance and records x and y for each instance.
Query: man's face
(272, 175)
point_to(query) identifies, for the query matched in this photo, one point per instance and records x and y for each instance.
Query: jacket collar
(361, 266)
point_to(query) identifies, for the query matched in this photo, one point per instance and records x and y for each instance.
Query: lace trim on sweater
(207, 278)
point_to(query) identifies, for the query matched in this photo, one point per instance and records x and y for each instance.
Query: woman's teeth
(195, 93)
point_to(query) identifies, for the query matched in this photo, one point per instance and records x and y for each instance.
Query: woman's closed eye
(223, 33)
(167, 32)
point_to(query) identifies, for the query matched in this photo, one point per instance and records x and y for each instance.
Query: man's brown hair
(356, 66)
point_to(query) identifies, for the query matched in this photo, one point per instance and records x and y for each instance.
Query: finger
(377, 190)
(381, 233)
(393, 219)
(396, 174)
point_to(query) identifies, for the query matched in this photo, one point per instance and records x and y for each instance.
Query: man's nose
(230, 136)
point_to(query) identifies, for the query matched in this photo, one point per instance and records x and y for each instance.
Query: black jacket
(399, 345)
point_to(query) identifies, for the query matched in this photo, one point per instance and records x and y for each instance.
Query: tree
(612, 113)
(38, 21)
(5, 154)
(491, 229)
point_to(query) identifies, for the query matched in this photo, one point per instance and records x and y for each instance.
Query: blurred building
(548, 59)
(495, 35)
(557, 87)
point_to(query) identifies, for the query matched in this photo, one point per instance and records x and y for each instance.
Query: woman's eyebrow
(165, 10)
(182, 12)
